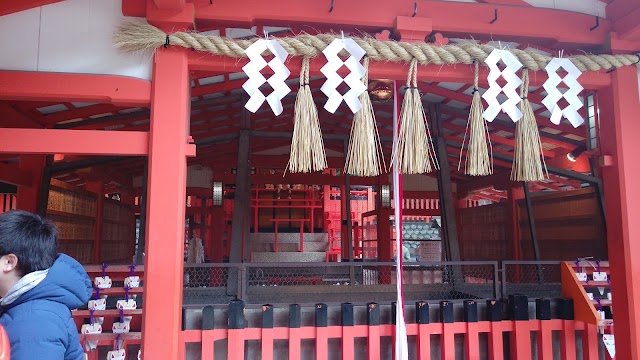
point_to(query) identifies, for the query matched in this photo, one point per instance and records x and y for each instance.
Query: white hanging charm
(610, 344)
(354, 81)
(509, 106)
(256, 79)
(570, 112)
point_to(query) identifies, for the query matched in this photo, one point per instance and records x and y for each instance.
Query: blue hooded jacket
(39, 322)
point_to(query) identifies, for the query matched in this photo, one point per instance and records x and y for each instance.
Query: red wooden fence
(519, 334)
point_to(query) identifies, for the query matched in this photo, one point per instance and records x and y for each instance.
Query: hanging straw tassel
(307, 147)
(479, 160)
(413, 150)
(528, 161)
(365, 151)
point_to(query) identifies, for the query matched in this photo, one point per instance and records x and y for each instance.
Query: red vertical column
(98, 188)
(128, 198)
(515, 227)
(168, 148)
(27, 197)
(216, 250)
(345, 195)
(619, 107)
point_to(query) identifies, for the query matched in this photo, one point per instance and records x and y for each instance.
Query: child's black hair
(31, 238)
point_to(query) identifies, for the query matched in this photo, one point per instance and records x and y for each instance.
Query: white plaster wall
(72, 36)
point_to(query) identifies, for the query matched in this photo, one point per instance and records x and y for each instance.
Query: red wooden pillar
(619, 107)
(98, 188)
(128, 198)
(216, 230)
(515, 227)
(345, 195)
(168, 148)
(27, 197)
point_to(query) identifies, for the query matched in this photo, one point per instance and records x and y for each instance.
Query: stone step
(288, 237)
(272, 257)
(289, 247)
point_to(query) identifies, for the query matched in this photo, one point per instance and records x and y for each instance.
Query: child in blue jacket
(38, 290)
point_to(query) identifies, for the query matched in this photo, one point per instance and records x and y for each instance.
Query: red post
(98, 188)
(266, 339)
(424, 342)
(545, 340)
(356, 240)
(322, 343)
(472, 342)
(275, 238)
(496, 351)
(217, 234)
(345, 195)
(384, 235)
(515, 227)
(447, 344)
(236, 344)
(301, 236)
(294, 344)
(166, 198)
(27, 198)
(568, 340)
(521, 341)
(373, 342)
(590, 342)
(619, 108)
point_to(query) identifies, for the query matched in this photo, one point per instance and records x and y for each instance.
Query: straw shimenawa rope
(479, 159)
(133, 36)
(365, 151)
(413, 150)
(307, 147)
(528, 160)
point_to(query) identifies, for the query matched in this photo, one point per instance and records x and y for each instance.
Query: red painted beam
(175, 5)
(387, 70)
(11, 117)
(79, 113)
(86, 142)
(506, 2)
(39, 86)
(13, 6)
(471, 19)
(628, 27)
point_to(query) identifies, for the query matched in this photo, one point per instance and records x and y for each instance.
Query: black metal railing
(258, 283)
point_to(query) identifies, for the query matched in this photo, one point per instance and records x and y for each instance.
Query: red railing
(519, 335)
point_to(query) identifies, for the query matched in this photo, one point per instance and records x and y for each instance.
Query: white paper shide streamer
(570, 112)
(330, 71)
(256, 79)
(509, 106)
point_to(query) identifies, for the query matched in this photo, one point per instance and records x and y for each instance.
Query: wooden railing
(374, 332)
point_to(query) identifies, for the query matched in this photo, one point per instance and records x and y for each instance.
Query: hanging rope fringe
(365, 151)
(528, 161)
(413, 150)
(307, 147)
(133, 36)
(479, 159)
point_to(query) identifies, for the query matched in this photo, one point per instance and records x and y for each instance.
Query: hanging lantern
(380, 90)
